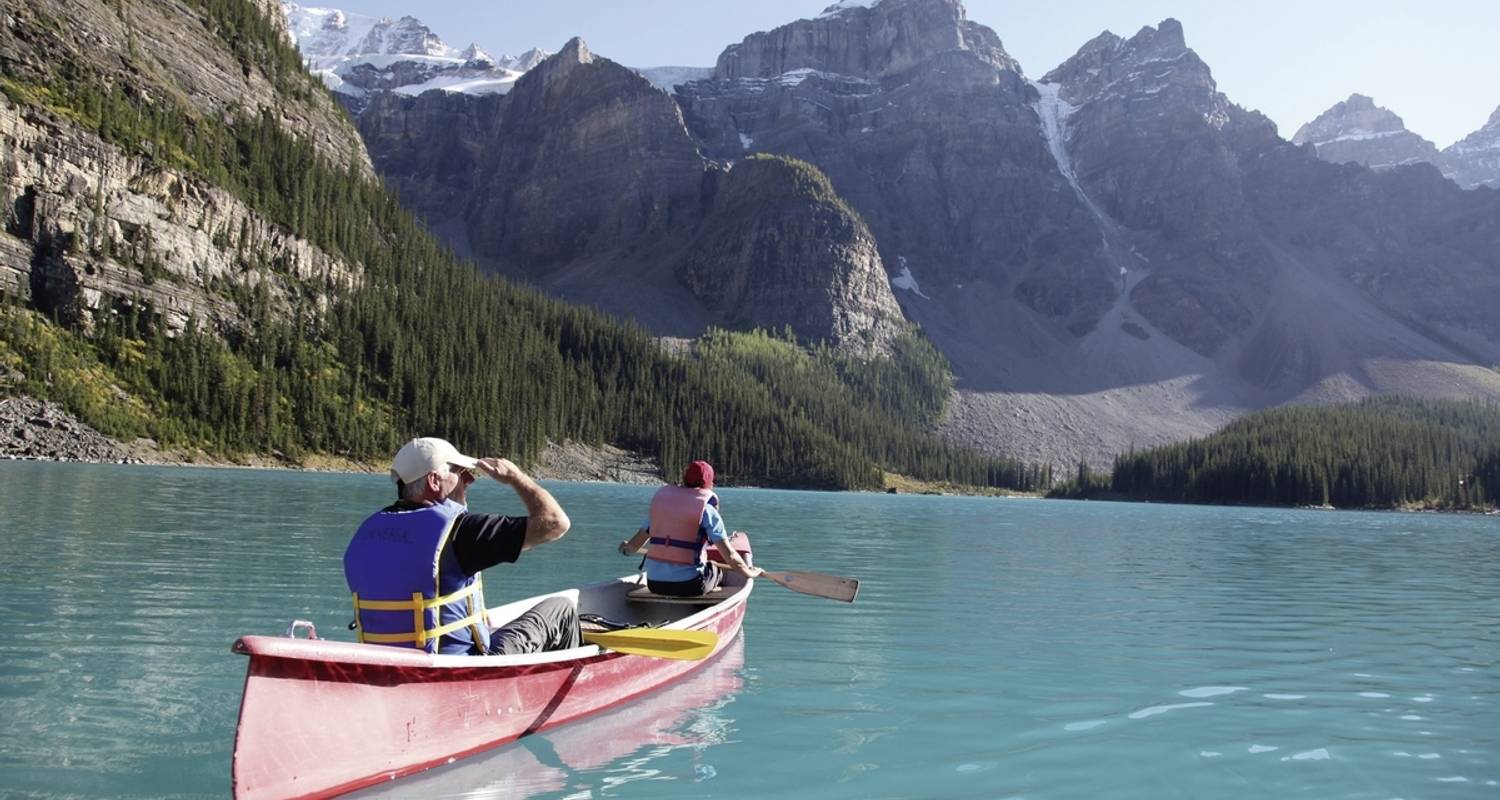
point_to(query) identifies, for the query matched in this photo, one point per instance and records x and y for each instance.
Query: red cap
(698, 475)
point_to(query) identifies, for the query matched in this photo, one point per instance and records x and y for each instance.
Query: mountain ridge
(1356, 130)
(1106, 254)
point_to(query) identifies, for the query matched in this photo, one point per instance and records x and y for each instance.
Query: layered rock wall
(90, 229)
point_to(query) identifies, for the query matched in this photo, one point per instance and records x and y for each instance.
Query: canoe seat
(644, 595)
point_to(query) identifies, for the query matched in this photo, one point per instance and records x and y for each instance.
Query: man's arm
(545, 519)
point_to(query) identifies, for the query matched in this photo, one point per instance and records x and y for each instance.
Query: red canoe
(320, 718)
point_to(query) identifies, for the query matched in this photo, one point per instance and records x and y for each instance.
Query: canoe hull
(322, 718)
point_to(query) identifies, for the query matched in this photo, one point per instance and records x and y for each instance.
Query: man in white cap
(414, 566)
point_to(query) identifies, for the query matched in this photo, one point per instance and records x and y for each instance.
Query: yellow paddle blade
(656, 642)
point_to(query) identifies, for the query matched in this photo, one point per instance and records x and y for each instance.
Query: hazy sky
(1435, 62)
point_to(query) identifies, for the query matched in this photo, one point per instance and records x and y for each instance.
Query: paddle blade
(818, 585)
(656, 642)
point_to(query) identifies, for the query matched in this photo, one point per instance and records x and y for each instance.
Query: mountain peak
(1355, 118)
(1139, 67)
(576, 51)
(359, 57)
(1475, 160)
(405, 36)
(559, 67)
(846, 5)
(1167, 35)
(863, 39)
(529, 59)
(476, 56)
(1359, 131)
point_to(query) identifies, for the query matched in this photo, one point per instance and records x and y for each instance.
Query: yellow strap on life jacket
(419, 605)
(402, 638)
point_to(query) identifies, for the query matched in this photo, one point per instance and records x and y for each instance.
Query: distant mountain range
(355, 55)
(1356, 130)
(1114, 255)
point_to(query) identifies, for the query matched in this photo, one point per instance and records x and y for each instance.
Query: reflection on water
(592, 755)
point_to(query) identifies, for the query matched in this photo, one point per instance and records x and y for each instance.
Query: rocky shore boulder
(34, 429)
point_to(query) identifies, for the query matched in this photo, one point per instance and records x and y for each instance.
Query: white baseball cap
(418, 457)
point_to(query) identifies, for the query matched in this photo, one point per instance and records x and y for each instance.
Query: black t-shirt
(481, 541)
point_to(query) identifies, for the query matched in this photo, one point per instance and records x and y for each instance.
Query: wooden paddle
(817, 584)
(656, 642)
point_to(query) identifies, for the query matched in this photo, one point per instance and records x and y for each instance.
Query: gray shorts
(549, 625)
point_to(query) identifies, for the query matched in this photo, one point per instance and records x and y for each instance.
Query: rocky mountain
(358, 56)
(1475, 159)
(584, 179)
(361, 57)
(776, 238)
(94, 223)
(1356, 130)
(1113, 255)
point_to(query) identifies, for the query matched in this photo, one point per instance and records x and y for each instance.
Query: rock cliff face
(144, 46)
(90, 229)
(430, 149)
(1357, 130)
(585, 179)
(1193, 260)
(1475, 159)
(776, 242)
(936, 146)
(866, 41)
(1230, 222)
(590, 158)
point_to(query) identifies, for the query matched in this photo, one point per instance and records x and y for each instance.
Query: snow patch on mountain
(356, 55)
(844, 5)
(905, 280)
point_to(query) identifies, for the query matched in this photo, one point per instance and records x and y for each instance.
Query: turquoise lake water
(998, 649)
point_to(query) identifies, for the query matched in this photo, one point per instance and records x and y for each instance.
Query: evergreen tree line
(428, 345)
(1377, 453)
(902, 397)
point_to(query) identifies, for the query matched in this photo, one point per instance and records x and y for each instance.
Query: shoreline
(39, 430)
(32, 429)
(544, 475)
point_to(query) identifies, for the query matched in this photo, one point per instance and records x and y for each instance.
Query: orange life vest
(676, 519)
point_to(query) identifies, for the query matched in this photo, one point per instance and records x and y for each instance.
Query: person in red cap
(684, 521)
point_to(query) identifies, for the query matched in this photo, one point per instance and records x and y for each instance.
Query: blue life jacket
(408, 588)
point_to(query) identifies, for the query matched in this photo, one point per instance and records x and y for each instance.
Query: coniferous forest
(1379, 453)
(427, 344)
